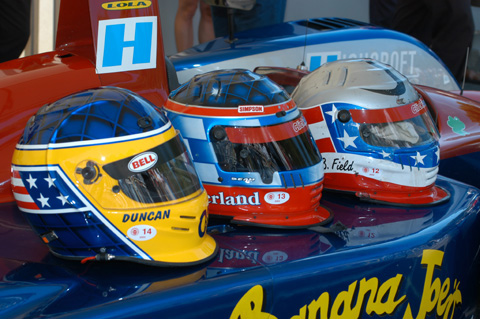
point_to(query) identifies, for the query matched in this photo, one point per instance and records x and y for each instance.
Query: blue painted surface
(462, 168)
(282, 37)
(293, 269)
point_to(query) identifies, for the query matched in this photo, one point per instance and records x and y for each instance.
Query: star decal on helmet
(63, 198)
(50, 181)
(437, 152)
(332, 113)
(385, 154)
(32, 181)
(419, 158)
(43, 200)
(348, 140)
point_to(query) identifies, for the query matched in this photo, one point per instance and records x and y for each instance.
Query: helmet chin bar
(367, 189)
(429, 196)
(283, 221)
(263, 208)
(381, 179)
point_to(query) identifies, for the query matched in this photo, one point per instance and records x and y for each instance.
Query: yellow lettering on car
(383, 299)
(250, 306)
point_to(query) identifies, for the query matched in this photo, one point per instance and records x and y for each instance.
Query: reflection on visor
(171, 177)
(266, 150)
(413, 132)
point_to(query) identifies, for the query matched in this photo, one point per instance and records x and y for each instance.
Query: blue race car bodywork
(387, 262)
(375, 260)
(314, 42)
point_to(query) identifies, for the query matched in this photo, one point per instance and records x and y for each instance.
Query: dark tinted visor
(163, 173)
(266, 149)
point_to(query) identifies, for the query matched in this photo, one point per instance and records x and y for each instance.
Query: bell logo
(123, 5)
(142, 162)
(126, 44)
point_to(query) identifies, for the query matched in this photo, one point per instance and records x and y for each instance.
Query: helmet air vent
(187, 217)
(145, 123)
(49, 237)
(342, 76)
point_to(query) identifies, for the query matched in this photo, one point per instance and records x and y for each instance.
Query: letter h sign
(126, 44)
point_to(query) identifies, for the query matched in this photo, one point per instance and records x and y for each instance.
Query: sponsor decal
(142, 162)
(150, 216)
(276, 198)
(418, 106)
(403, 60)
(250, 109)
(337, 164)
(202, 225)
(124, 5)
(141, 232)
(247, 180)
(221, 199)
(457, 126)
(299, 124)
(371, 171)
(319, 58)
(366, 297)
(126, 44)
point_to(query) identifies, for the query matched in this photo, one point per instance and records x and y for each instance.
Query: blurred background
(45, 12)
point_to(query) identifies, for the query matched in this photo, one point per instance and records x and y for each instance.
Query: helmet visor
(402, 127)
(265, 149)
(161, 174)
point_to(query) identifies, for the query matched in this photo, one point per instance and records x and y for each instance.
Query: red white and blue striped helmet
(252, 149)
(374, 131)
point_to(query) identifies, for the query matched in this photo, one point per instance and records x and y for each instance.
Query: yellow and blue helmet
(101, 174)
